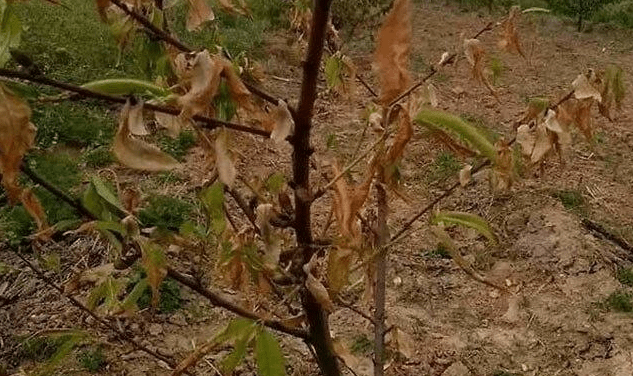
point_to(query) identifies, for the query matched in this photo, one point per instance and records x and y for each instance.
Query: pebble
(457, 369)
(155, 329)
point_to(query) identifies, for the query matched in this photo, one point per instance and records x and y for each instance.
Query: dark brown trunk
(315, 314)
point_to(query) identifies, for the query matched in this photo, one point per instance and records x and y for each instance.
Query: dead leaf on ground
(393, 47)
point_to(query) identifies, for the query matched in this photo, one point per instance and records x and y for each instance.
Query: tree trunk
(315, 314)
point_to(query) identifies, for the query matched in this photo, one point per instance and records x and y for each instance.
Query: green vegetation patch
(625, 276)
(570, 198)
(165, 212)
(619, 301)
(92, 359)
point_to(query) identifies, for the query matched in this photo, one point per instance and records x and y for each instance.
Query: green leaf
(242, 331)
(270, 360)
(213, 202)
(10, 31)
(234, 330)
(333, 70)
(130, 301)
(275, 182)
(99, 199)
(69, 340)
(457, 127)
(126, 86)
(467, 220)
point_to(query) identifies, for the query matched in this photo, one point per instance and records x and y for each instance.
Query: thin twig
(380, 282)
(355, 310)
(433, 71)
(366, 85)
(220, 301)
(239, 200)
(207, 122)
(347, 168)
(168, 38)
(75, 203)
(121, 334)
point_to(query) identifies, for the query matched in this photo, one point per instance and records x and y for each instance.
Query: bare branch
(220, 301)
(120, 333)
(168, 38)
(207, 122)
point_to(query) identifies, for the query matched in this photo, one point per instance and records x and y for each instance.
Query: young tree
(206, 82)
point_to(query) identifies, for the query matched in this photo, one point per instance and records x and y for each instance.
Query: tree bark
(319, 335)
(380, 287)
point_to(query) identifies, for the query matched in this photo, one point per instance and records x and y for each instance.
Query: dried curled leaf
(402, 342)
(102, 6)
(362, 366)
(201, 74)
(136, 122)
(282, 122)
(465, 175)
(475, 54)
(17, 135)
(583, 89)
(272, 243)
(138, 154)
(348, 201)
(510, 35)
(503, 168)
(241, 8)
(199, 13)
(224, 163)
(339, 263)
(393, 46)
(319, 292)
(396, 150)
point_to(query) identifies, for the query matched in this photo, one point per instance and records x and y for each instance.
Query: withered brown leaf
(136, 153)
(393, 47)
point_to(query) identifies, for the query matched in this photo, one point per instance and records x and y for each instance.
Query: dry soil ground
(559, 273)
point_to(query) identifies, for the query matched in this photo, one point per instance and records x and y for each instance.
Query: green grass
(179, 146)
(92, 360)
(440, 252)
(444, 166)
(41, 348)
(571, 199)
(619, 301)
(98, 158)
(361, 345)
(170, 298)
(165, 212)
(625, 276)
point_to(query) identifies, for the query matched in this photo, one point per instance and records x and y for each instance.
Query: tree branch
(158, 32)
(207, 122)
(120, 333)
(75, 203)
(315, 314)
(380, 286)
(168, 38)
(220, 301)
